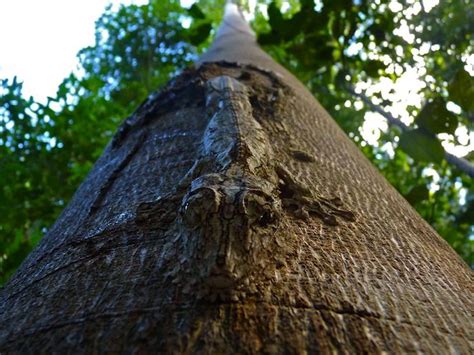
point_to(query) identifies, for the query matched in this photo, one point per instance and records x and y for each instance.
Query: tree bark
(231, 214)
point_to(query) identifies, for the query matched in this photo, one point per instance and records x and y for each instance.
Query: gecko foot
(299, 200)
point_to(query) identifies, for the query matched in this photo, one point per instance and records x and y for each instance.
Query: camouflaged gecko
(232, 191)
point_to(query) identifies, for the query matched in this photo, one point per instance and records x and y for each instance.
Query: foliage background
(335, 47)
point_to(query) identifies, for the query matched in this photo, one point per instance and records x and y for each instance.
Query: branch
(460, 163)
(470, 117)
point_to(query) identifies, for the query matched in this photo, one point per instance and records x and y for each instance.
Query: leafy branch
(460, 163)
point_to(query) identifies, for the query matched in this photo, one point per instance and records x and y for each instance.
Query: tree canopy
(354, 55)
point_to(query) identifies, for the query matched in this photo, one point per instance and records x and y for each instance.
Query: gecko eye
(267, 217)
(198, 205)
(259, 208)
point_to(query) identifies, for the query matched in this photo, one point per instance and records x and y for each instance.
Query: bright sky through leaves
(39, 40)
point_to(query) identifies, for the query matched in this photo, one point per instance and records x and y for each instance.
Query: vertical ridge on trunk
(233, 24)
(235, 42)
(231, 214)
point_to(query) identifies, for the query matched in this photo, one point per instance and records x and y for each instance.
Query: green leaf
(436, 118)
(417, 194)
(200, 33)
(421, 146)
(377, 30)
(275, 18)
(372, 67)
(283, 29)
(467, 215)
(461, 90)
(268, 38)
(195, 12)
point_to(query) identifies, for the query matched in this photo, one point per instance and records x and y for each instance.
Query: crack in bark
(343, 311)
(98, 253)
(104, 189)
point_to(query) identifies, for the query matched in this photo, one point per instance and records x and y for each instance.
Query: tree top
(234, 21)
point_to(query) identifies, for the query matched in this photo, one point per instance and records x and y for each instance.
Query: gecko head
(228, 220)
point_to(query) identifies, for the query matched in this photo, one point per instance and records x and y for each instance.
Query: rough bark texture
(231, 214)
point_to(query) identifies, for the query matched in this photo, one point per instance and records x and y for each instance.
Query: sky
(39, 39)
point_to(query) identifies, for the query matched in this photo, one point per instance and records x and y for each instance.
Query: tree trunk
(231, 214)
